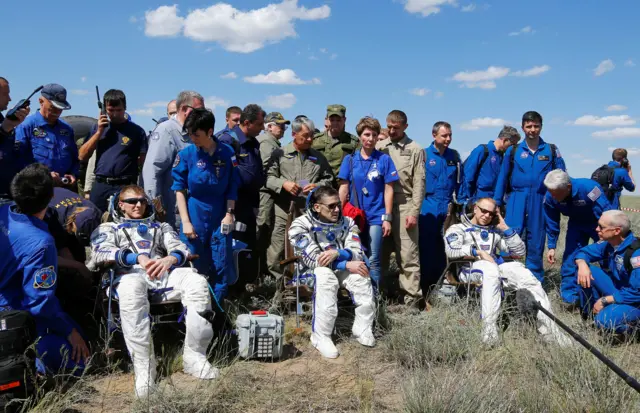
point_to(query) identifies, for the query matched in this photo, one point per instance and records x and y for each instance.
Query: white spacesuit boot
(325, 311)
(194, 294)
(362, 295)
(491, 300)
(134, 315)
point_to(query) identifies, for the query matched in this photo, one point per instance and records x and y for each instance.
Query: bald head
(4, 94)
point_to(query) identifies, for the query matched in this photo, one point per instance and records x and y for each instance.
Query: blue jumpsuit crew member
(521, 187)
(480, 173)
(621, 180)
(443, 177)
(211, 180)
(622, 314)
(583, 206)
(49, 138)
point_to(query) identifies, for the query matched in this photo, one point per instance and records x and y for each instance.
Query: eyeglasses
(486, 211)
(331, 206)
(605, 228)
(134, 201)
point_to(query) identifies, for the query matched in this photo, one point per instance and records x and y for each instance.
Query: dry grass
(427, 362)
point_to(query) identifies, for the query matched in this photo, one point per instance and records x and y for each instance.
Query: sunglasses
(331, 206)
(134, 201)
(486, 211)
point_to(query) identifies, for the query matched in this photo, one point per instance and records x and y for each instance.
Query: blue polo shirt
(51, 145)
(371, 175)
(118, 151)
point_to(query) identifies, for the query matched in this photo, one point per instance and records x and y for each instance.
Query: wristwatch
(230, 211)
(604, 302)
(387, 217)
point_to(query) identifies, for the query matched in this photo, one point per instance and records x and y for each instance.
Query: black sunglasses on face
(332, 206)
(134, 201)
(486, 211)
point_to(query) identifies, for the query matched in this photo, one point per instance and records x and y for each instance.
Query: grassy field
(424, 362)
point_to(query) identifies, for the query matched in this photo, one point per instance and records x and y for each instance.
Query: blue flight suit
(624, 286)
(117, 155)
(480, 174)
(210, 180)
(524, 195)
(13, 158)
(583, 207)
(226, 130)
(443, 177)
(621, 180)
(165, 142)
(28, 275)
(51, 145)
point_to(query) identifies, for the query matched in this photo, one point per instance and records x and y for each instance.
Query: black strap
(628, 253)
(352, 185)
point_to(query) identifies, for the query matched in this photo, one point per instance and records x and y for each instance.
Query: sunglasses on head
(134, 201)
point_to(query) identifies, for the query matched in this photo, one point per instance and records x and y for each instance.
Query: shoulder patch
(594, 194)
(234, 161)
(452, 237)
(45, 278)
(154, 136)
(302, 241)
(98, 238)
(635, 262)
(143, 244)
(177, 161)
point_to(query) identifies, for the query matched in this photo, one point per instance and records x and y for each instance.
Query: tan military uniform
(268, 144)
(288, 164)
(408, 193)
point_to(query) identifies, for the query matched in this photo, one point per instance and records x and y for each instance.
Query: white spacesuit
(310, 237)
(120, 242)
(463, 240)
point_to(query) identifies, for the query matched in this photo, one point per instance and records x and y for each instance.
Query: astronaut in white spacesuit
(148, 257)
(330, 248)
(478, 237)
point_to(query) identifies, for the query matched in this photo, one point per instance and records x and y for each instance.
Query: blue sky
(474, 64)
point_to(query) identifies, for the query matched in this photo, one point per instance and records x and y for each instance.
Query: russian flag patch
(355, 237)
(635, 262)
(313, 159)
(234, 161)
(394, 173)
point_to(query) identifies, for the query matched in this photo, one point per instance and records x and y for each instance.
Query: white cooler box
(260, 335)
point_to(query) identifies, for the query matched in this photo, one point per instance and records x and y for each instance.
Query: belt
(115, 181)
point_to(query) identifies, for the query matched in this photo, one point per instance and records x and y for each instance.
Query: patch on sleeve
(635, 262)
(177, 161)
(301, 241)
(594, 194)
(234, 161)
(98, 238)
(155, 136)
(45, 278)
(558, 154)
(452, 238)
(355, 237)
(143, 244)
(394, 173)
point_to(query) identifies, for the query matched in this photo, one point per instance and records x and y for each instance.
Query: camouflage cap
(339, 110)
(276, 117)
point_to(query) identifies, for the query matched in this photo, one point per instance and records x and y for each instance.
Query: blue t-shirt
(369, 177)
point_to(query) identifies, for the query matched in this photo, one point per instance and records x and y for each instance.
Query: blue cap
(57, 95)
(87, 221)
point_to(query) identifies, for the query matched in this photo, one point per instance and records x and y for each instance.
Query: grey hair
(251, 113)
(186, 97)
(557, 179)
(617, 218)
(509, 132)
(296, 125)
(438, 125)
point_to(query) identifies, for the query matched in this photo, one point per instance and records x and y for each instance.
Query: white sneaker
(324, 345)
(366, 338)
(200, 368)
(145, 377)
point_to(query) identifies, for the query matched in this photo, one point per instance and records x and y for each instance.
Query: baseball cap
(57, 95)
(339, 110)
(276, 117)
(86, 222)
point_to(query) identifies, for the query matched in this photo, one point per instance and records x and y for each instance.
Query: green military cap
(276, 117)
(339, 110)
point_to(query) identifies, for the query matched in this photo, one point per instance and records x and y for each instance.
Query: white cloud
(427, 7)
(284, 101)
(163, 22)
(143, 112)
(157, 104)
(589, 161)
(214, 101)
(83, 79)
(323, 50)
(438, 95)
(483, 79)
(534, 71)
(604, 121)
(617, 133)
(630, 151)
(524, 30)
(235, 30)
(230, 75)
(133, 19)
(313, 57)
(419, 91)
(604, 67)
(334, 56)
(630, 63)
(79, 92)
(281, 77)
(468, 8)
(486, 122)
(616, 108)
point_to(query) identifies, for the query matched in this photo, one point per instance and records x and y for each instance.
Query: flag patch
(635, 262)
(594, 194)
(234, 161)
(313, 159)
(355, 237)
(394, 173)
